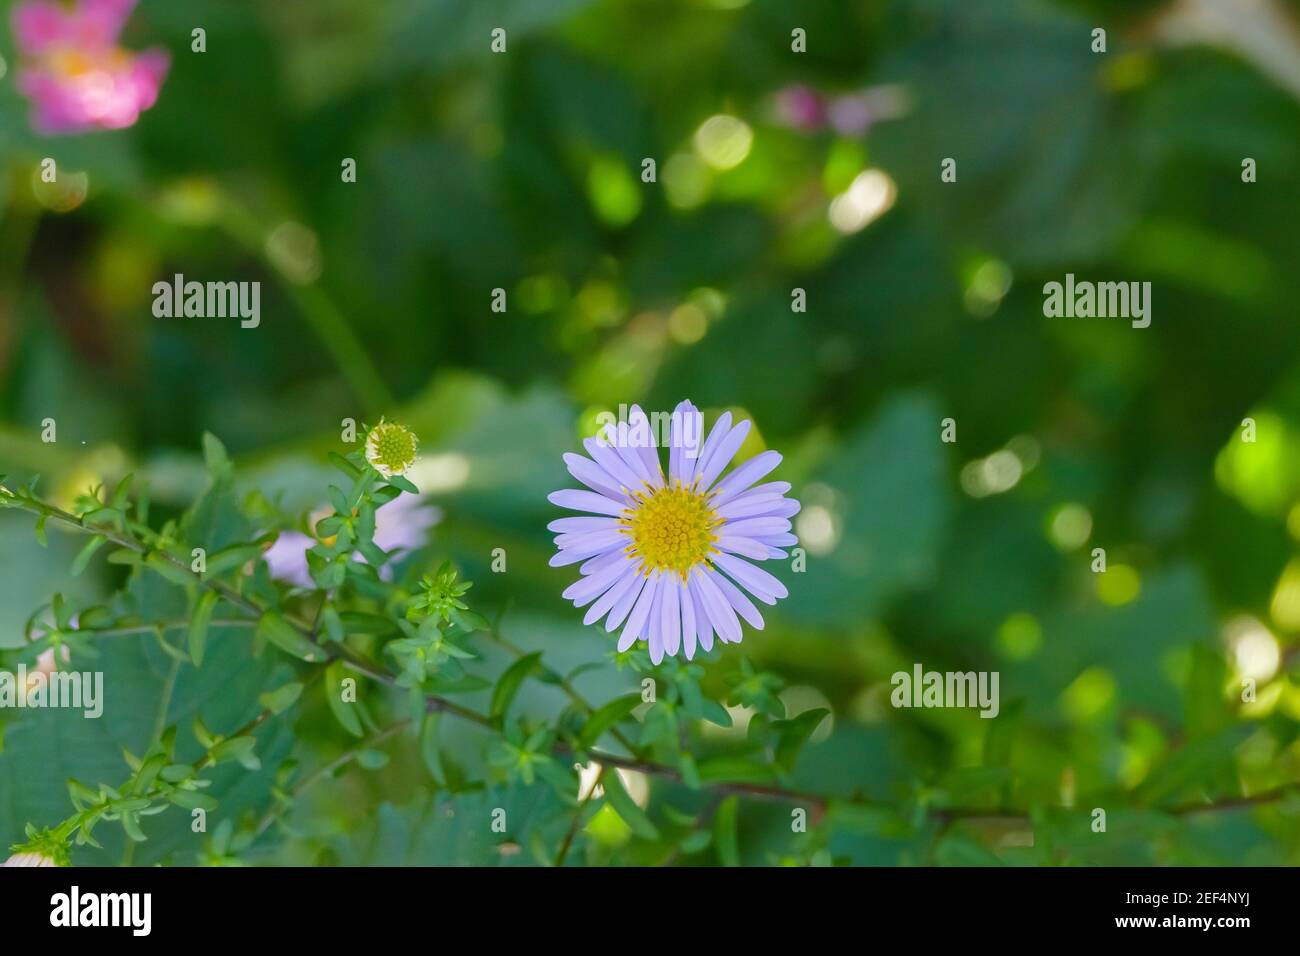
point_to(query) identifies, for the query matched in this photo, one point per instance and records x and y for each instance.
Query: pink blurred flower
(75, 73)
(848, 114)
(801, 108)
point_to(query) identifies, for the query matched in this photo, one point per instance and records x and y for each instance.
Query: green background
(521, 171)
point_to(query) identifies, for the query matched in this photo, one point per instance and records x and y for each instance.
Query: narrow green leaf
(606, 717)
(164, 566)
(794, 733)
(86, 553)
(233, 557)
(198, 634)
(724, 831)
(431, 747)
(626, 807)
(344, 712)
(121, 492)
(513, 678)
(275, 629)
(371, 759)
(236, 748)
(214, 454)
(397, 481)
(280, 700)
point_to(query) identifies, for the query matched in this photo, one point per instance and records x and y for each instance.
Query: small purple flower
(400, 528)
(670, 555)
(75, 73)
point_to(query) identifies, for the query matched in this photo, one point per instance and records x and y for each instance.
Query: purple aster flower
(669, 557)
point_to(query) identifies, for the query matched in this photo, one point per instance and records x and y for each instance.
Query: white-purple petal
(721, 613)
(585, 590)
(703, 627)
(593, 476)
(688, 621)
(642, 439)
(745, 475)
(614, 466)
(749, 506)
(637, 619)
(757, 527)
(685, 426)
(579, 525)
(617, 438)
(743, 605)
(743, 546)
(576, 500)
(708, 471)
(612, 596)
(671, 619)
(654, 629)
(625, 603)
(604, 560)
(756, 581)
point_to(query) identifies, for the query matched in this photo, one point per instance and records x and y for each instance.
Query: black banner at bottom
(338, 905)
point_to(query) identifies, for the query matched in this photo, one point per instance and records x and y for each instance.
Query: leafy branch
(355, 621)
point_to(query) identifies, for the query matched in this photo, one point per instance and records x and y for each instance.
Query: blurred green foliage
(522, 171)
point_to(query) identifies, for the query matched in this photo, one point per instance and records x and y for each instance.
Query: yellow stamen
(672, 528)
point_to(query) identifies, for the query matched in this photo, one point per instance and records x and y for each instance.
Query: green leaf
(724, 831)
(198, 632)
(397, 481)
(343, 465)
(233, 557)
(192, 800)
(40, 531)
(371, 759)
(237, 748)
(626, 807)
(431, 747)
(345, 713)
(275, 629)
(214, 455)
(164, 566)
(86, 553)
(513, 678)
(730, 767)
(794, 733)
(606, 717)
(278, 701)
(120, 493)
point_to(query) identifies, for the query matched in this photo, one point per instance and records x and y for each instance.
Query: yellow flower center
(672, 528)
(391, 446)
